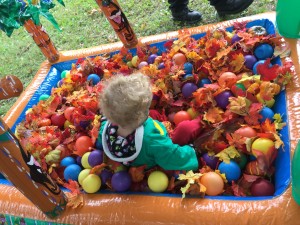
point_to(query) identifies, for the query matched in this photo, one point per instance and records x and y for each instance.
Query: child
(130, 136)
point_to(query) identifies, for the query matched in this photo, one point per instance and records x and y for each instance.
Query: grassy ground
(84, 25)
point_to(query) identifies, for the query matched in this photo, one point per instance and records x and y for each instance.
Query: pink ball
(262, 187)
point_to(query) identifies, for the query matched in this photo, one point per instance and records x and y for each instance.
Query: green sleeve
(168, 155)
(99, 140)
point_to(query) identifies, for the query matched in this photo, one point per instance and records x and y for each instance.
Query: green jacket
(156, 148)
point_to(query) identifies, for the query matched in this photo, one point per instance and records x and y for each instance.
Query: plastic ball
(44, 97)
(262, 145)
(181, 116)
(83, 144)
(203, 81)
(246, 131)
(151, 58)
(95, 158)
(134, 60)
(91, 183)
(121, 181)
(227, 79)
(263, 51)
(71, 172)
(193, 113)
(268, 103)
(262, 187)
(188, 77)
(242, 160)
(188, 68)
(266, 113)
(105, 175)
(67, 161)
(68, 113)
(238, 90)
(82, 175)
(64, 73)
(250, 60)
(256, 64)
(213, 182)
(188, 89)
(210, 161)
(142, 64)
(85, 162)
(222, 99)
(67, 124)
(158, 181)
(179, 59)
(161, 66)
(232, 170)
(94, 78)
(235, 38)
(99, 145)
(58, 120)
(78, 160)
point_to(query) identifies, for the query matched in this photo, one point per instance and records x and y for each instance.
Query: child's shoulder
(152, 126)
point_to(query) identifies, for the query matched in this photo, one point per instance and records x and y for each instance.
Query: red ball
(179, 59)
(58, 120)
(83, 144)
(68, 113)
(262, 187)
(181, 116)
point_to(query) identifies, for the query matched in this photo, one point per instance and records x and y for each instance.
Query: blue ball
(232, 170)
(256, 64)
(188, 68)
(266, 112)
(94, 78)
(67, 161)
(71, 172)
(203, 81)
(263, 51)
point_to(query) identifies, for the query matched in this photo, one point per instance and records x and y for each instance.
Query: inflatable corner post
(18, 166)
(118, 21)
(42, 40)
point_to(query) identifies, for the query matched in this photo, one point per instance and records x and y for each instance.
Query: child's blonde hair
(125, 100)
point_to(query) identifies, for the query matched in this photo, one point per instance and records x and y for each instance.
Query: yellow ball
(263, 145)
(193, 113)
(83, 174)
(91, 183)
(67, 124)
(85, 162)
(158, 181)
(134, 61)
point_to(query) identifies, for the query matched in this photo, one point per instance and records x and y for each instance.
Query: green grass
(84, 25)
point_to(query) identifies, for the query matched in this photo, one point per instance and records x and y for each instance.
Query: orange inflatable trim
(145, 209)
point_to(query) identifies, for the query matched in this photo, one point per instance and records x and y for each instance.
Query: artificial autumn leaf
(278, 121)
(137, 173)
(239, 105)
(73, 186)
(203, 96)
(191, 178)
(237, 62)
(278, 142)
(213, 115)
(236, 140)
(254, 114)
(268, 90)
(193, 56)
(238, 190)
(268, 127)
(212, 47)
(227, 154)
(74, 200)
(98, 169)
(268, 72)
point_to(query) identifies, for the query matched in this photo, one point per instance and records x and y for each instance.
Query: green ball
(158, 181)
(85, 161)
(242, 160)
(44, 97)
(91, 183)
(83, 174)
(63, 74)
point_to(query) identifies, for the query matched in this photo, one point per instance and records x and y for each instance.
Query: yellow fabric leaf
(227, 154)
(278, 142)
(239, 105)
(213, 115)
(278, 121)
(237, 62)
(193, 56)
(191, 178)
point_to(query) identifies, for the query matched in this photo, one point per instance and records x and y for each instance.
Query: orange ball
(83, 144)
(68, 113)
(227, 79)
(181, 116)
(213, 182)
(179, 59)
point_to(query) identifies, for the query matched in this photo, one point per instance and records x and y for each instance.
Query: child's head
(125, 100)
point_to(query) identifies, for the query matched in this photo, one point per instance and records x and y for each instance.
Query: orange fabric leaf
(237, 62)
(213, 115)
(239, 105)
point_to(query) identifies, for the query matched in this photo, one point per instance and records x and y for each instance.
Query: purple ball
(188, 89)
(222, 99)
(210, 161)
(235, 38)
(250, 60)
(121, 181)
(78, 160)
(161, 66)
(95, 158)
(151, 58)
(105, 175)
(142, 64)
